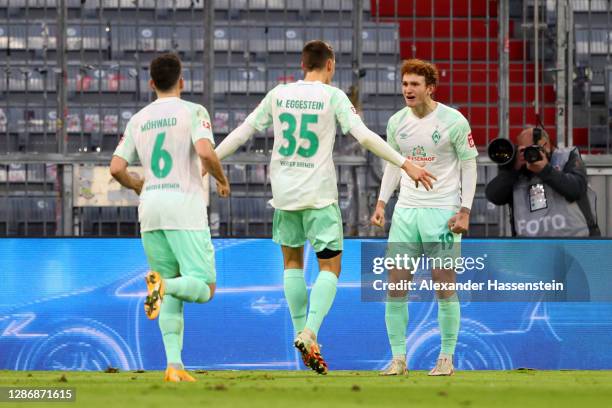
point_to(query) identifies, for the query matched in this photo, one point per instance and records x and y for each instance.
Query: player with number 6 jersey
(304, 115)
(173, 141)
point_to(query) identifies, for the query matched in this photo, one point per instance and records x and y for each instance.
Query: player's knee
(397, 295)
(213, 287)
(442, 275)
(328, 253)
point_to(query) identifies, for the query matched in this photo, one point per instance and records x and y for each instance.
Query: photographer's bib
(539, 211)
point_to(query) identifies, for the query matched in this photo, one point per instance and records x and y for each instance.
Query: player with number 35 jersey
(304, 115)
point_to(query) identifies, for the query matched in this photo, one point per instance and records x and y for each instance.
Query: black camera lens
(532, 153)
(501, 151)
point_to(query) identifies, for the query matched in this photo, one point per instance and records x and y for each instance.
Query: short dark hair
(165, 71)
(315, 55)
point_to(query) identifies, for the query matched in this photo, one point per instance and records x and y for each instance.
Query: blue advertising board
(76, 304)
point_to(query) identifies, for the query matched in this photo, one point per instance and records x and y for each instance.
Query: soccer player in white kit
(172, 138)
(304, 189)
(439, 138)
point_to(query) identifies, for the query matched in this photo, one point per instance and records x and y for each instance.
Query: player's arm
(390, 180)
(212, 165)
(234, 140)
(124, 154)
(468, 183)
(258, 120)
(203, 141)
(466, 152)
(350, 122)
(379, 147)
(118, 169)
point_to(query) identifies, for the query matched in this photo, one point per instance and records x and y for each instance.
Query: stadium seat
(281, 76)
(18, 37)
(380, 38)
(229, 40)
(252, 80)
(383, 81)
(447, 28)
(438, 8)
(594, 41)
(281, 39)
(592, 5)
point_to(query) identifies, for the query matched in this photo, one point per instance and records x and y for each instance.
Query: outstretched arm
(234, 140)
(212, 165)
(382, 149)
(376, 145)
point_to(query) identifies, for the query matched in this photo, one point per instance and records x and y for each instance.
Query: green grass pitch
(293, 389)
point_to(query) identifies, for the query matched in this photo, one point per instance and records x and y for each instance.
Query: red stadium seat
(439, 8)
(423, 29)
(465, 50)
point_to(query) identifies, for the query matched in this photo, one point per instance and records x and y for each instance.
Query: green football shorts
(175, 253)
(321, 226)
(418, 231)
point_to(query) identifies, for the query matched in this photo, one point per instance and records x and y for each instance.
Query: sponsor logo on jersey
(206, 124)
(436, 136)
(419, 154)
(471, 140)
(403, 136)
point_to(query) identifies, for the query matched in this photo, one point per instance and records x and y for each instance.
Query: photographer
(546, 189)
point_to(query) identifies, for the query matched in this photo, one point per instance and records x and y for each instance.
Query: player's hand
(459, 222)
(419, 174)
(138, 183)
(223, 189)
(378, 218)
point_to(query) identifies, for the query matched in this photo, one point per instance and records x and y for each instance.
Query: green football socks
(321, 298)
(396, 320)
(296, 296)
(449, 316)
(171, 325)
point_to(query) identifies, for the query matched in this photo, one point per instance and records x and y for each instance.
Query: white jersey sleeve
(126, 149)
(462, 141)
(345, 112)
(261, 118)
(201, 127)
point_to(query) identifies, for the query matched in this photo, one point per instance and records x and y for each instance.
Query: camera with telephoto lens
(503, 151)
(532, 153)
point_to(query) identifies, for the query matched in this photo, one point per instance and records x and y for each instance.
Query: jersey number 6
(160, 155)
(309, 135)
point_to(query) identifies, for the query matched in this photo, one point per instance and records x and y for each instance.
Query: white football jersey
(304, 116)
(162, 137)
(439, 141)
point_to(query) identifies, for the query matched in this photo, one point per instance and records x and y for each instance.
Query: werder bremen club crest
(436, 136)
